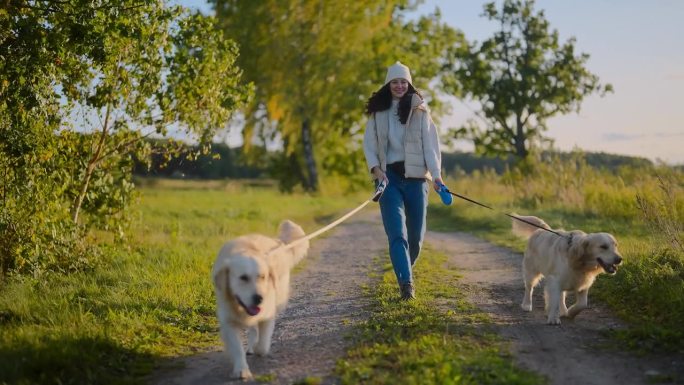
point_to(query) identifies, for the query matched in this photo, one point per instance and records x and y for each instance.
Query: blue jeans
(403, 206)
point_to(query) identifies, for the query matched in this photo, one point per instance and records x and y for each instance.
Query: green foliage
(313, 64)
(664, 210)
(457, 162)
(551, 180)
(220, 161)
(431, 340)
(309, 381)
(540, 181)
(111, 189)
(118, 71)
(36, 230)
(654, 300)
(521, 76)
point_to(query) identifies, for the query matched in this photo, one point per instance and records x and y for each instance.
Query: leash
(443, 192)
(376, 196)
(444, 189)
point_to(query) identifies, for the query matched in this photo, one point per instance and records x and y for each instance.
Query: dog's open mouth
(608, 268)
(251, 310)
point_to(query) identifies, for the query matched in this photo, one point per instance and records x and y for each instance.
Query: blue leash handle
(445, 194)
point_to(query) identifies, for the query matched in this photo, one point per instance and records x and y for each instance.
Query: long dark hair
(381, 100)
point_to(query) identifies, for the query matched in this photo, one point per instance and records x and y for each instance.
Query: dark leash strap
(465, 198)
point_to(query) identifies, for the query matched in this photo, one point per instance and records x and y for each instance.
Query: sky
(635, 45)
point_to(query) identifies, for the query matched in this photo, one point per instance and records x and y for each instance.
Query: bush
(610, 199)
(663, 211)
(551, 181)
(36, 231)
(648, 292)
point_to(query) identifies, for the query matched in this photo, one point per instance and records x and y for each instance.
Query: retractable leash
(376, 197)
(379, 190)
(445, 194)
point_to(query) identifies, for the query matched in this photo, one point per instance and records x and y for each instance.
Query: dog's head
(601, 250)
(246, 281)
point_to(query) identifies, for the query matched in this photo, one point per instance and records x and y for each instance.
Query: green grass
(151, 298)
(438, 338)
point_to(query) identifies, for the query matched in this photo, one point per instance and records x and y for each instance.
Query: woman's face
(398, 87)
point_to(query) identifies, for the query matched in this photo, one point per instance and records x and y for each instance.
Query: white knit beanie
(398, 70)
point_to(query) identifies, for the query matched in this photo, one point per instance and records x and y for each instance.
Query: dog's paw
(243, 374)
(572, 314)
(526, 306)
(553, 321)
(260, 350)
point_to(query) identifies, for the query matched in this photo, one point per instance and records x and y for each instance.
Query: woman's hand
(379, 174)
(437, 184)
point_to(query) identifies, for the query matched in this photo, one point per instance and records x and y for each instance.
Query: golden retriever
(251, 278)
(569, 262)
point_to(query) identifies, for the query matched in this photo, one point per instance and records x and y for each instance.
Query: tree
(176, 69)
(118, 71)
(314, 63)
(521, 77)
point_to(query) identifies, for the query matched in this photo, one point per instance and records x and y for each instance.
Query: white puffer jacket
(422, 156)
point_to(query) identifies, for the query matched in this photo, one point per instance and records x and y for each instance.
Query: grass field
(150, 298)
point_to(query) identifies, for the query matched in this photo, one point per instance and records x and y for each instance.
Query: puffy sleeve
(431, 151)
(370, 144)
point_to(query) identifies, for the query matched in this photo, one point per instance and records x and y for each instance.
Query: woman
(402, 149)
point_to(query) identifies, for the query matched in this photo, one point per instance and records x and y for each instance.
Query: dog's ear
(272, 276)
(586, 250)
(579, 252)
(586, 258)
(221, 279)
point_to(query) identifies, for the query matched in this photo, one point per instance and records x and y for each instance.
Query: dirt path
(568, 354)
(310, 335)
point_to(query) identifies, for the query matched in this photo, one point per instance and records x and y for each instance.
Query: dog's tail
(525, 230)
(289, 232)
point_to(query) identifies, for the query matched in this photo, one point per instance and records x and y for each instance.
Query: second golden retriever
(569, 262)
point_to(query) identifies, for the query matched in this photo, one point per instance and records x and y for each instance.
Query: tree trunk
(92, 163)
(307, 142)
(291, 173)
(520, 149)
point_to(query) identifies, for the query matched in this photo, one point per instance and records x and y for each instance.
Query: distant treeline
(468, 162)
(222, 162)
(226, 162)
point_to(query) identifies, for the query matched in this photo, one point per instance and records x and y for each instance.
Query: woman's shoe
(408, 292)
